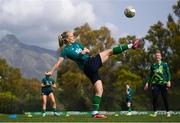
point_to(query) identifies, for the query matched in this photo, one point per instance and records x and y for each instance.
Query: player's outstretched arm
(52, 70)
(42, 85)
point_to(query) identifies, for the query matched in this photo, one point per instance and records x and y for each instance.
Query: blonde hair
(62, 39)
(158, 51)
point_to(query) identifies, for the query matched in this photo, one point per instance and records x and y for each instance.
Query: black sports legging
(156, 90)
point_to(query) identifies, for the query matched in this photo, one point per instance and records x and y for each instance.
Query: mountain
(33, 61)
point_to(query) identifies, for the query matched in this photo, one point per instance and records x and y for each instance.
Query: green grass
(88, 118)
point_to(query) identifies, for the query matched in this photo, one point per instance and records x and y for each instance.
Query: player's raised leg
(119, 49)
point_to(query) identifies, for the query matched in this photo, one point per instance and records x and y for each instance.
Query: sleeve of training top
(130, 91)
(63, 54)
(43, 81)
(53, 81)
(81, 46)
(150, 75)
(167, 72)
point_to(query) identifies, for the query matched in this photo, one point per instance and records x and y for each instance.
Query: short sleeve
(167, 71)
(63, 54)
(43, 81)
(166, 66)
(53, 81)
(80, 45)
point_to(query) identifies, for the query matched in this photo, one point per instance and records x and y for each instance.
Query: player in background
(129, 93)
(159, 79)
(88, 64)
(46, 91)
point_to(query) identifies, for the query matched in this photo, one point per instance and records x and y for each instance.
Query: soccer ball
(129, 12)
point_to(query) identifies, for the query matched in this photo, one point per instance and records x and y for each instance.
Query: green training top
(159, 73)
(73, 52)
(47, 81)
(129, 93)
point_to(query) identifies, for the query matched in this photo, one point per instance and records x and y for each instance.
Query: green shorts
(46, 91)
(128, 100)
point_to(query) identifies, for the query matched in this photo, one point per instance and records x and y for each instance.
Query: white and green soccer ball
(129, 11)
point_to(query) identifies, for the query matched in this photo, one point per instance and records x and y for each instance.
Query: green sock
(96, 102)
(54, 109)
(129, 109)
(120, 49)
(44, 110)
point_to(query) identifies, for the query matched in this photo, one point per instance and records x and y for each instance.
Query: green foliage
(75, 91)
(95, 40)
(16, 93)
(9, 103)
(176, 9)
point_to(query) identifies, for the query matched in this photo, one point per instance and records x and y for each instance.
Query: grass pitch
(88, 118)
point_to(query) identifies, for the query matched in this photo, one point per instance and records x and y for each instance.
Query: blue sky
(38, 22)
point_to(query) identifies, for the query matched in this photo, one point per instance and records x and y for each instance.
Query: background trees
(16, 93)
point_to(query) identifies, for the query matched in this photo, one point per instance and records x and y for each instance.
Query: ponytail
(62, 39)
